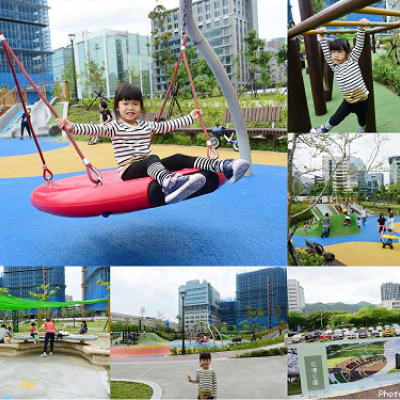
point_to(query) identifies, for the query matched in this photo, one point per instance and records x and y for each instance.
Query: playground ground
(231, 226)
(238, 378)
(363, 249)
(57, 377)
(387, 105)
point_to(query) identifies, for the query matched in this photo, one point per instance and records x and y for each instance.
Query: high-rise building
(267, 289)
(229, 312)
(394, 169)
(296, 300)
(21, 280)
(224, 23)
(202, 304)
(374, 181)
(61, 57)
(390, 291)
(124, 56)
(91, 290)
(25, 26)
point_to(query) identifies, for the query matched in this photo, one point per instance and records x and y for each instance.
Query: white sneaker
(51, 353)
(43, 355)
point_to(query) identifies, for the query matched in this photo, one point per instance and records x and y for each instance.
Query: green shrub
(279, 351)
(307, 259)
(296, 208)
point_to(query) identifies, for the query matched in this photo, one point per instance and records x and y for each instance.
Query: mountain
(336, 306)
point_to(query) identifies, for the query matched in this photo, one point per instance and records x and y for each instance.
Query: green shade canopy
(17, 303)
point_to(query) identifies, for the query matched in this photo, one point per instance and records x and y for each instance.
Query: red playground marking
(132, 352)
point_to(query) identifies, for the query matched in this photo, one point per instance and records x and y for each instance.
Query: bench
(250, 115)
(236, 340)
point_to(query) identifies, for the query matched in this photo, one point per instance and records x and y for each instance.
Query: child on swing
(130, 137)
(344, 63)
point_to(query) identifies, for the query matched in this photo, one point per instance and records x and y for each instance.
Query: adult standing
(326, 226)
(105, 117)
(391, 218)
(364, 216)
(25, 123)
(381, 226)
(50, 333)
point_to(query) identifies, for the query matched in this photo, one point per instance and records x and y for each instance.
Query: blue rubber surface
(17, 147)
(369, 233)
(240, 224)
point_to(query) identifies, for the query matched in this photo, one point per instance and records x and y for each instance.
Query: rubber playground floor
(363, 249)
(241, 224)
(387, 105)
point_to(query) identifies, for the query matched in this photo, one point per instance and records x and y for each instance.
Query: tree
(94, 80)
(68, 75)
(258, 60)
(223, 327)
(252, 317)
(44, 292)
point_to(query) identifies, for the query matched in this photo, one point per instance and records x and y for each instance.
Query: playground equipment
(205, 324)
(299, 121)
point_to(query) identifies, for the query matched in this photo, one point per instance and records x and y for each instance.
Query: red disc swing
(108, 193)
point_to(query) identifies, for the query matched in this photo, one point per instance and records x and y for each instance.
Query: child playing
(130, 137)
(389, 242)
(206, 378)
(344, 64)
(105, 118)
(33, 332)
(359, 222)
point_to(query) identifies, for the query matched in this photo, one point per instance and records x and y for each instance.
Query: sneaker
(51, 353)
(320, 129)
(235, 169)
(178, 187)
(43, 355)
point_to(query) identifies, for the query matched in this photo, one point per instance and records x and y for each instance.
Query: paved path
(58, 377)
(239, 378)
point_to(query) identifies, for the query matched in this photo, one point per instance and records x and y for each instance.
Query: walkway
(228, 227)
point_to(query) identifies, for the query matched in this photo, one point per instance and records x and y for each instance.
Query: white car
(296, 338)
(351, 335)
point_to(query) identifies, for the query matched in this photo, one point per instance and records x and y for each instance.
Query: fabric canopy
(17, 303)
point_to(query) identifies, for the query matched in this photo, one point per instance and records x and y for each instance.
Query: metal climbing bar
(378, 11)
(93, 174)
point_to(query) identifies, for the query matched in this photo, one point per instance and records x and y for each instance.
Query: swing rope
(211, 150)
(93, 174)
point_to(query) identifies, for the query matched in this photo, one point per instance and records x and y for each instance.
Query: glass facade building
(123, 55)
(202, 303)
(20, 280)
(94, 291)
(25, 26)
(266, 289)
(228, 312)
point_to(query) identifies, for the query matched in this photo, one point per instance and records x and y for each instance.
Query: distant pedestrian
(326, 226)
(50, 333)
(364, 216)
(25, 118)
(359, 223)
(391, 218)
(381, 226)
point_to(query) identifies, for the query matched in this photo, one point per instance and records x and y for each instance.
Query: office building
(21, 280)
(25, 25)
(122, 57)
(266, 289)
(390, 291)
(202, 304)
(394, 169)
(296, 300)
(390, 304)
(223, 23)
(374, 181)
(91, 290)
(61, 57)
(229, 312)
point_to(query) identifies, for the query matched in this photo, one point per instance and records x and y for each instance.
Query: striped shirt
(131, 142)
(206, 380)
(348, 74)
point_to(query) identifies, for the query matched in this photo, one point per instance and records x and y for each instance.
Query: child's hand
(322, 31)
(196, 114)
(189, 378)
(63, 123)
(363, 22)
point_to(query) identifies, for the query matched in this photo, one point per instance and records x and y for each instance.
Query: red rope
(93, 173)
(210, 148)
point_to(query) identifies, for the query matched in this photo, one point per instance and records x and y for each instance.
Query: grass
(151, 338)
(294, 388)
(130, 390)
(93, 326)
(59, 108)
(387, 105)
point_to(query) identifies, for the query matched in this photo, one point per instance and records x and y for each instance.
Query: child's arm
(215, 386)
(175, 124)
(193, 380)
(360, 39)
(86, 129)
(325, 48)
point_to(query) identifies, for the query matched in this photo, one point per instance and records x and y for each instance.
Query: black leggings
(360, 109)
(49, 336)
(172, 163)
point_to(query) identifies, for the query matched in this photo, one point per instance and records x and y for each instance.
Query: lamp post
(72, 38)
(183, 295)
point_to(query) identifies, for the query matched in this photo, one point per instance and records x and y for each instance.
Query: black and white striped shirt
(206, 380)
(348, 74)
(131, 142)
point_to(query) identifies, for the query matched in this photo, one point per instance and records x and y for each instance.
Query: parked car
(370, 328)
(312, 336)
(325, 335)
(396, 331)
(296, 338)
(350, 335)
(375, 333)
(379, 328)
(388, 330)
(362, 333)
(338, 335)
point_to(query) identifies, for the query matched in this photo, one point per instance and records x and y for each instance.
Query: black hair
(3, 325)
(326, 214)
(85, 324)
(340, 44)
(33, 323)
(127, 91)
(103, 104)
(205, 355)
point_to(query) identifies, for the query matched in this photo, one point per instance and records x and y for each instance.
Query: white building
(296, 300)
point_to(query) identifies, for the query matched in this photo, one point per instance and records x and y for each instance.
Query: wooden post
(299, 117)
(313, 62)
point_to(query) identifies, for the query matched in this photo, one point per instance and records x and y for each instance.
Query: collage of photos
(201, 199)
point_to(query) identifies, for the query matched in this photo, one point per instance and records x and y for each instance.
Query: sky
(341, 284)
(70, 16)
(156, 288)
(361, 148)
